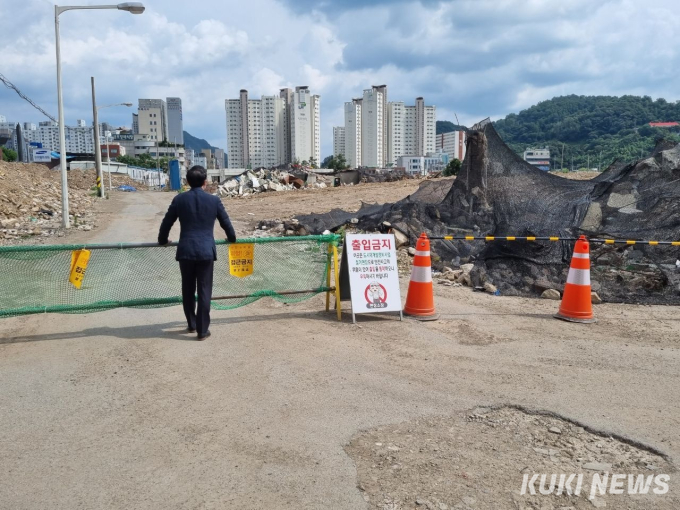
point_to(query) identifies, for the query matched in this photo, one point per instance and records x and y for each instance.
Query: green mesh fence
(35, 279)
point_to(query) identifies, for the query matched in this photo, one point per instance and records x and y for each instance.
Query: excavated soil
(479, 460)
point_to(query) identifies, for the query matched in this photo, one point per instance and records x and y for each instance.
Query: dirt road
(283, 407)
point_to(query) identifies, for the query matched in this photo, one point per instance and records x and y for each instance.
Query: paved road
(120, 409)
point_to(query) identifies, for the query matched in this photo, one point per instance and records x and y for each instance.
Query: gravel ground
(121, 409)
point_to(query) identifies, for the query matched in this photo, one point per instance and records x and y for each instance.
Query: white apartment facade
(338, 140)
(411, 130)
(378, 132)
(175, 121)
(79, 138)
(305, 128)
(353, 133)
(273, 131)
(453, 144)
(152, 119)
(372, 125)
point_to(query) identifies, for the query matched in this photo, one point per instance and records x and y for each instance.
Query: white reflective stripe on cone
(422, 253)
(421, 274)
(579, 276)
(581, 255)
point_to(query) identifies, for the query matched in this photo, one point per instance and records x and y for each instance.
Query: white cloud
(476, 58)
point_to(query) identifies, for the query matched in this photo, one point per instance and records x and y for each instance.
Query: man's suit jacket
(197, 212)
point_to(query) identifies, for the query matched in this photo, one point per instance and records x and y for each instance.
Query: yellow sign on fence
(79, 260)
(241, 258)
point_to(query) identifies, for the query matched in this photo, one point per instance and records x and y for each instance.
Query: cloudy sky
(473, 58)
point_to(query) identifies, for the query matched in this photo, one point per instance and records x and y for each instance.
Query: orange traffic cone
(420, 296)
(576, 303)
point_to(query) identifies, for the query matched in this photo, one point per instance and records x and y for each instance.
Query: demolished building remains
(498, 194)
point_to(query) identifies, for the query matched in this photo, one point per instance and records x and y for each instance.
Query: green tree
(341, 162)
(595, 130)
(452, 168)
(9, 154)
(326, 161)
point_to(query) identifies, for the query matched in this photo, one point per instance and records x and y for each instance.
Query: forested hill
(596, 126)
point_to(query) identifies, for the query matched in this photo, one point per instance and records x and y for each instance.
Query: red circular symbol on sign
(382, 294)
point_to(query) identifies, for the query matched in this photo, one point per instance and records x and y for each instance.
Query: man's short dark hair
(196, 176)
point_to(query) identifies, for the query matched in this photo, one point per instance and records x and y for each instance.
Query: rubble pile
(258, 181)
(30, 200)
(496, 193)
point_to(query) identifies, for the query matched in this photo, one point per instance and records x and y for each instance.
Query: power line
(10, 85)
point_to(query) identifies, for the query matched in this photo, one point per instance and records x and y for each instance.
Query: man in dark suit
(196, 253)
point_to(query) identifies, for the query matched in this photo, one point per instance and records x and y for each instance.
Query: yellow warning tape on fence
(554, 239)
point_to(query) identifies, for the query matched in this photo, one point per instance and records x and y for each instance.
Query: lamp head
(127, 104)
(132, 7)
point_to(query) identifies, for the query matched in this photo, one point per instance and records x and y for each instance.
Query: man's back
(197, 212)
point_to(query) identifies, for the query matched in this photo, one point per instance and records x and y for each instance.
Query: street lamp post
(98, 157)
(132, 7)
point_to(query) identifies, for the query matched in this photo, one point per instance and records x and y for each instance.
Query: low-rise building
(112, 149)
(453, 144)
(540, 158)
(422, 165)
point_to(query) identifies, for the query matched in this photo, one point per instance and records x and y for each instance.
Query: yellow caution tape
(630, 242)
(79, 261)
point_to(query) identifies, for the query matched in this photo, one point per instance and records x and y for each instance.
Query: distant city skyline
(471, 58)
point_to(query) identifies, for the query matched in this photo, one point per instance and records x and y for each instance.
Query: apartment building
(273, 130)
(372, 124)
(79, 138)
(152, 119)
(305, 129)
(175, 123)
(353, 132)
(387, 130)
(453, 144)
(411, 129)
(338, 140)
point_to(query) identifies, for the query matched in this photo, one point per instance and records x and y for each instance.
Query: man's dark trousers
(196, 251)
(197, 273)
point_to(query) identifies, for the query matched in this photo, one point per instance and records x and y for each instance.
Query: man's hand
(231, 239)
(165, 243)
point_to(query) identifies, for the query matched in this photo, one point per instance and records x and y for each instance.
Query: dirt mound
(480, 460)
(30, 199)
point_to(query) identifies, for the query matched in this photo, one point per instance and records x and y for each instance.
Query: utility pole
(589, 162)
(158, 163)
(108, 158)
(562, 162)
(599, 164)
(97, 144)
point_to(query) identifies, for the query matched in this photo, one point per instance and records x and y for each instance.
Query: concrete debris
(595, 298)
(400, 238)
(497, 194)
(30, 200)
(490, 288)
(551, 294)
(597, 466)
(258, 181)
